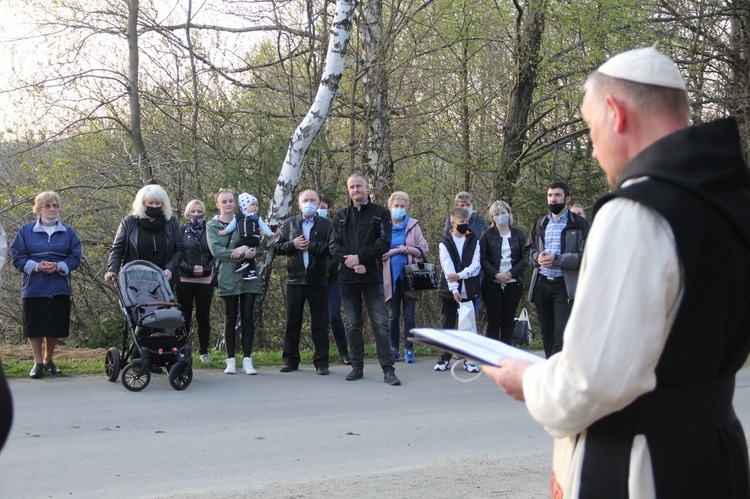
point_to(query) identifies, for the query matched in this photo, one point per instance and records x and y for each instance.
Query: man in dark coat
(361, 236)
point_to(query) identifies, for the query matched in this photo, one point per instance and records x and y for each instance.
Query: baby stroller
(147, 301)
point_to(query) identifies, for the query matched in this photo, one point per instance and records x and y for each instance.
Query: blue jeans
(394, 316)
(352, 296)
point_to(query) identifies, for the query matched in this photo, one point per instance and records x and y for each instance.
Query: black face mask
(556, 208)
(153, 211)
(462, 228)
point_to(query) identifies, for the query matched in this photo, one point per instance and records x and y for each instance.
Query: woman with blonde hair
(238, 294)
(408, 245)
(46, 252)
(503, 265)
(195, 275)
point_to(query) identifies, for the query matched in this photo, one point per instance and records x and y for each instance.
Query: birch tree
(308, 129)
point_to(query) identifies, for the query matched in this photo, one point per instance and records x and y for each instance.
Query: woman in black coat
(195, 275)
(503, 265)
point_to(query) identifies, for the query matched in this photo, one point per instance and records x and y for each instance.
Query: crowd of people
(353, 257)
(640, 402)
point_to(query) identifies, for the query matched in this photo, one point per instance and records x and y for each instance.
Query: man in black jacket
(361, 236)
(554, 249)
(304, 240)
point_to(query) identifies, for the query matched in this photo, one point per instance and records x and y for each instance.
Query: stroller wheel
(135, 377)
(112, 364)
(180, 376)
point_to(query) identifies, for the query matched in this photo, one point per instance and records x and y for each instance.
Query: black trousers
(501, 305)
(200, 294)
(243, 305)
(317, 300)
(552, 310)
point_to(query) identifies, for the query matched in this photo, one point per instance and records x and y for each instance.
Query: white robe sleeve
(627, 297)
(446, 263)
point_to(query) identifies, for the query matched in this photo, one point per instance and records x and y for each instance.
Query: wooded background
(435, 97)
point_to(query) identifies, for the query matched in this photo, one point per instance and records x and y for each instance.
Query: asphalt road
(278, 435)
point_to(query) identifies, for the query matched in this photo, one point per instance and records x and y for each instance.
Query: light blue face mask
(502, 219)
(398, 213)
(322, 212)
(309, 209)
(470, 210)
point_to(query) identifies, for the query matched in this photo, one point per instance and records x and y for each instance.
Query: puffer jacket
(366, 233)
(195, 252)
(32, 245)
(316, 272)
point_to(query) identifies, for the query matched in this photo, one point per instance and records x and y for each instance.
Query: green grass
(20, 368)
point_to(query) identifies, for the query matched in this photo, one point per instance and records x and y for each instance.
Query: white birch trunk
(308, 129)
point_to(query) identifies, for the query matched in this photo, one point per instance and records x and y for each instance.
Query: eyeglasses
(53, 206)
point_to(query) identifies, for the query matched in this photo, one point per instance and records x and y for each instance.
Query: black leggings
(200, 294)
(242, 304)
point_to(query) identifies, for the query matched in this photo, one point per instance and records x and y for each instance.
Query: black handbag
(420, 276)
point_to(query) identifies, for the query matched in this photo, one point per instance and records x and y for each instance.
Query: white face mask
(309, 209)
(50, 221)
(502, 219)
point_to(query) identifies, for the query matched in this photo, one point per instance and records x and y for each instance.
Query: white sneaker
(242, 267)
(442, 365)
(205, 358)
(471, 367)
(247, 366)
(231, 366)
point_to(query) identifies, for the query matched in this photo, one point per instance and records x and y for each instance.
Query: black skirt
(46, 317)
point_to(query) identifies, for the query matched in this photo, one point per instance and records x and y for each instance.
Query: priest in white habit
(640, 398)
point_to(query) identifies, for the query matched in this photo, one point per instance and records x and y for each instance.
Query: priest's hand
(509, 376)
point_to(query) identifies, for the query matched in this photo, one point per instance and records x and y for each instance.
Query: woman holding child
(503, 266)
(238, 294)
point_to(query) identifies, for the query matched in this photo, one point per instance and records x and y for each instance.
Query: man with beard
(554, 250)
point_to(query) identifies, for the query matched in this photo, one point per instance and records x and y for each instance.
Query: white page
(481, 348)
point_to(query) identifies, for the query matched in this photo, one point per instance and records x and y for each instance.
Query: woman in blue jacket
(46, 252)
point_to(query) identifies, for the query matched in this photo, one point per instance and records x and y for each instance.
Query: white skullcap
(246, 200)
(646, 65)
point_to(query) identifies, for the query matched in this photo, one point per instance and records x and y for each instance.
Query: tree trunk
(307, 130)
(139, 160)
(379, 166)
(529, 28)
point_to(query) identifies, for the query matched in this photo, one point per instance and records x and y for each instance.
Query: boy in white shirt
(459, 259)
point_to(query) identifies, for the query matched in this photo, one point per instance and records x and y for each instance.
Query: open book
(471, 345)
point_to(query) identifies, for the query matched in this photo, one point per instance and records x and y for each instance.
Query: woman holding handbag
(408, 246)
(503, 267)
